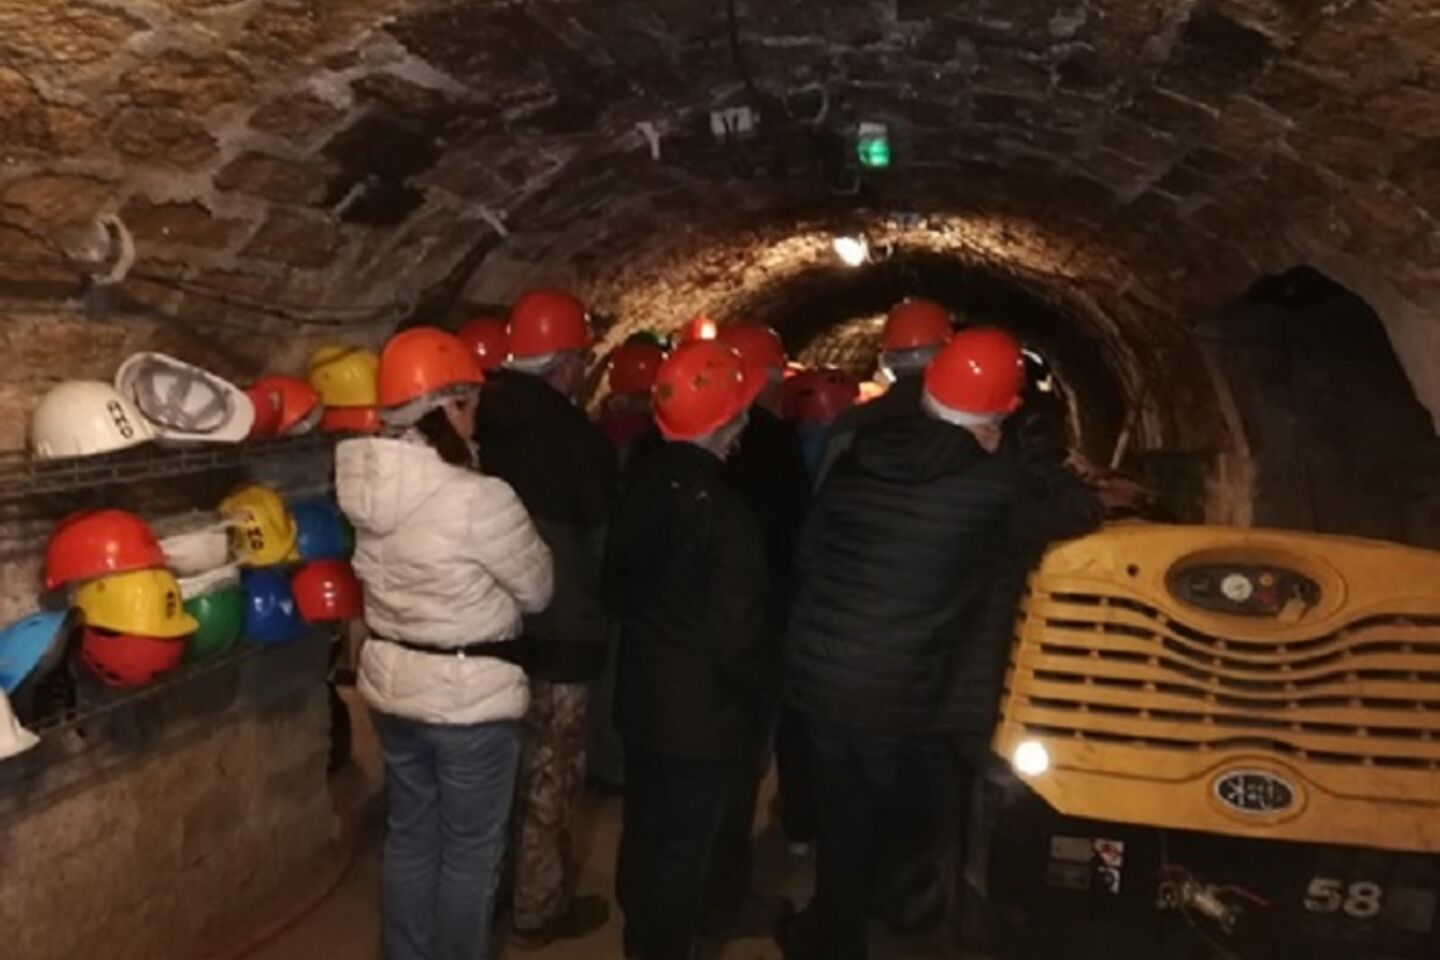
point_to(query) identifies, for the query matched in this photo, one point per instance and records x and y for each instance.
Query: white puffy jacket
(448, 557)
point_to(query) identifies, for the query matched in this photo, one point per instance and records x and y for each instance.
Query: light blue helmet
(24, 645)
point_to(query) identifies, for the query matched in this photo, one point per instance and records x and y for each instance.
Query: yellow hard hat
(345, 376)
(263, 532)
(145, 603)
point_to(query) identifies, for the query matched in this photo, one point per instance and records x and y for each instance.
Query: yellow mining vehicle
(1220, 742)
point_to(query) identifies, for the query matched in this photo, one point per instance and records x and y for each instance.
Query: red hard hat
(328, 590)
(757, 344)
(488, 338)
(633, 367)
(819, 396)
(700, 328)
(267, 411)
(548, 321)
(422, 360)
(298, 400)
(128, 660)
(916, 323)
(981, 371)
(351, 420)
(86, 546)
(701, 387)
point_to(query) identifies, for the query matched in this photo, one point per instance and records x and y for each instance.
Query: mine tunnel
(1209, 717)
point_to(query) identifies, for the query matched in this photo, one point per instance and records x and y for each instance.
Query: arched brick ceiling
(1143, 158)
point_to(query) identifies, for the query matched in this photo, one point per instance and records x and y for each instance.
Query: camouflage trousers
(552, 778)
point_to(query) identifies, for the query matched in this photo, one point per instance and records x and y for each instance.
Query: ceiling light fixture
(852, 251)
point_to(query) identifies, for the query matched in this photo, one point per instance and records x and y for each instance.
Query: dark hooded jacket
(564, 471)
(768, 468)
(900, 401)
(685, 571)
(906, 563)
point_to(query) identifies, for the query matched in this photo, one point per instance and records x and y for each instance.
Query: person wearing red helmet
(893, 655)
(814, 400)
(698, 663)
(630, 373)
(534, 434)
(489, 339)
(915, 331)
(769, 470)
(449, 561)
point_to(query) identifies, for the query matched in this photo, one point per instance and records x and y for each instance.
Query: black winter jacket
(686, 573)
(564, 471)
(900, 401)
(908, 572)
(768, 469)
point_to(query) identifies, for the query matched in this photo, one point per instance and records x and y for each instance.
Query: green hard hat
(649, 338)
(222, 619)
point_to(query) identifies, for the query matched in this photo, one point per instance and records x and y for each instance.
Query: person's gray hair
(909, 361)
(959, 418)
(722, 438)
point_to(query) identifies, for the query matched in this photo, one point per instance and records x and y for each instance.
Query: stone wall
(1338, 442)
(153, 826)
(299, 162)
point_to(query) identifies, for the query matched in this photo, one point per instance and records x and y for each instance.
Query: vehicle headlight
(1031, 759)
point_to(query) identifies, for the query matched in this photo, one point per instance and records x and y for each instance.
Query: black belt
(515, 651)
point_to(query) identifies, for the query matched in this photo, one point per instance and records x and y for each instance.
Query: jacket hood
(380, 482)
(915, 449)
(511, 399)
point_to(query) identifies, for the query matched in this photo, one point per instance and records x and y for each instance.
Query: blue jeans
(449, 790)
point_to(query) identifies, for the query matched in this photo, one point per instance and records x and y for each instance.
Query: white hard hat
(196, 544)
(210, 582)
(185, 403)
(14, 739)
(84, 417)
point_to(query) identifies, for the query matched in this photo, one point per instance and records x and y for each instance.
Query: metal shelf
(22, 476)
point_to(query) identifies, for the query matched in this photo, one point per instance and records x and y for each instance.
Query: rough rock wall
(153, 829)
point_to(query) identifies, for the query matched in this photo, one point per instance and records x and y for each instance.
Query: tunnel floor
(347, 923)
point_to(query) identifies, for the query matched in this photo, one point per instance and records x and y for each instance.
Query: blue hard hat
(23, 645)
(271, 616)
(320, 530)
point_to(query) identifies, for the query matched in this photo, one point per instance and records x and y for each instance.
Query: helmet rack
(153, 480)
(34, 493)
(23, 477)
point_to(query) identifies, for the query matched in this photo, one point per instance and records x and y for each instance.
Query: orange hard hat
(633, 367)
(916, 323)
(980, 372)
(700, 387)
(299, 402)
(422, 360)
(819, 396)
(351, 420)
(86, 546)
(548, 321)
(488, 338)
(758, 345)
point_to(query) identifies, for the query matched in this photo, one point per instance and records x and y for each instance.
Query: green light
(873, 151)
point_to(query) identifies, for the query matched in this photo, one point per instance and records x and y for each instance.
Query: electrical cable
(294, 311)
(737, 54)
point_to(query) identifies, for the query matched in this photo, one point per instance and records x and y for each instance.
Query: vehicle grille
(1110, 669)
